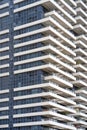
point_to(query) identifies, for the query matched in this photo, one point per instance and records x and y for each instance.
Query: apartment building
(43, 64)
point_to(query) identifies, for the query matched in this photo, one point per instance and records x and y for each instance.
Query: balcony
(4, 126)
(80, 60)
(80, 75)
(54, 14)
(58, 53)
(4, 108)
(4, 91)
(4, 31)
(58, 80)
(80, 83)
(4, 5)
(81, 123)
(48, 86)
(71, 3)
(60, 73)
(80, 52)
(81, 115)
(49, 104)
(46, 123)
(4, 66)
(46, 40)
(49, 21)
(47, 67)
(81, 44)
(50, 5)
(4, 117)
(83, 38)
(17, 1)
(4, 74)
(4, 49)
(81, 100)
(81, 107)
(81, 20)
(4, 14)
(4, 57)
(47, 95)
(82, 91)
(4, 100)
(80, 67)
(48, 58)
(66, 7)
(79, 29)
(81, 12)
(4, 40)
(81, 4)
(49, 113)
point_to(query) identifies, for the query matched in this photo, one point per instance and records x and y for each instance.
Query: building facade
(43, 64)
